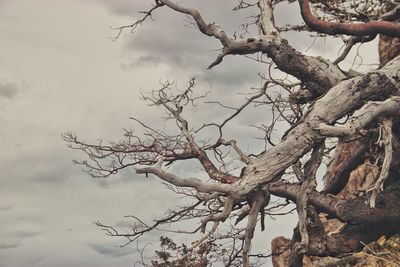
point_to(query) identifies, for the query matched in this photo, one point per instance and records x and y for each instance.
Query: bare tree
(355, 115)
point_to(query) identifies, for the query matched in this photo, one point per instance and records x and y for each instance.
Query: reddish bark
(354, 29)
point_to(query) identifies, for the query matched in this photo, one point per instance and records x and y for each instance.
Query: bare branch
(237, 110)
(363, 117)
(139, 228)
(184, 182)
(349, 45)
(344, 104)
(208, 29)
(201, 240)
(267, 22)
(258, 200)
(392, 15)
(308, 185)
(243, 156)
(356, 29)
(133, 26)
(221, 216)
(386, 141)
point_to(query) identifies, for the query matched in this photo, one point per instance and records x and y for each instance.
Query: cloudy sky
(59, 71)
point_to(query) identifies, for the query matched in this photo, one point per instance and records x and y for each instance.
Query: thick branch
(266, 20)
(309, 184)
(363, 117)
(342, 99)
(318, 75)
(349, 240)
(356, 29)
(348, 155)
(354, 211)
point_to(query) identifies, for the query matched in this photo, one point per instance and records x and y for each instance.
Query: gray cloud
(76, 83)
(123, 224)
(111, 251)
(5, 245)
(8, 89)
(213, 11)
(167, 39)
(33, 170)
(183, 48)
(2, 2)
(22, 234)
(174, 46)
(191, 57)
(5, 207)
(234, 73)
(125, 7)
(147, 61)
(13, 239)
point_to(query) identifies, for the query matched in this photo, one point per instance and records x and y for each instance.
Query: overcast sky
(59, 71)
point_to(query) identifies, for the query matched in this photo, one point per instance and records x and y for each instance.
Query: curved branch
(317, 74)
(350, 43)
(219, 217)
(133, 26)
(184, 182)
(354, 29)
(208, 29)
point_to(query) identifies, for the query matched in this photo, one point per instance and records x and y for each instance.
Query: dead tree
(323, 105)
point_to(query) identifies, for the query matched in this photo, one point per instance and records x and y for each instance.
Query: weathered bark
(383, 252)
(317, 74)
(281, 248)
(353, 211)
(348, 155)
(342, 99)
(363, 224)
(388, 47)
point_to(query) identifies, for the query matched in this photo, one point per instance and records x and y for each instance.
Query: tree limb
(355, 29)
(184, 182)
(386, 141)
(308, 185)
(362, 118)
